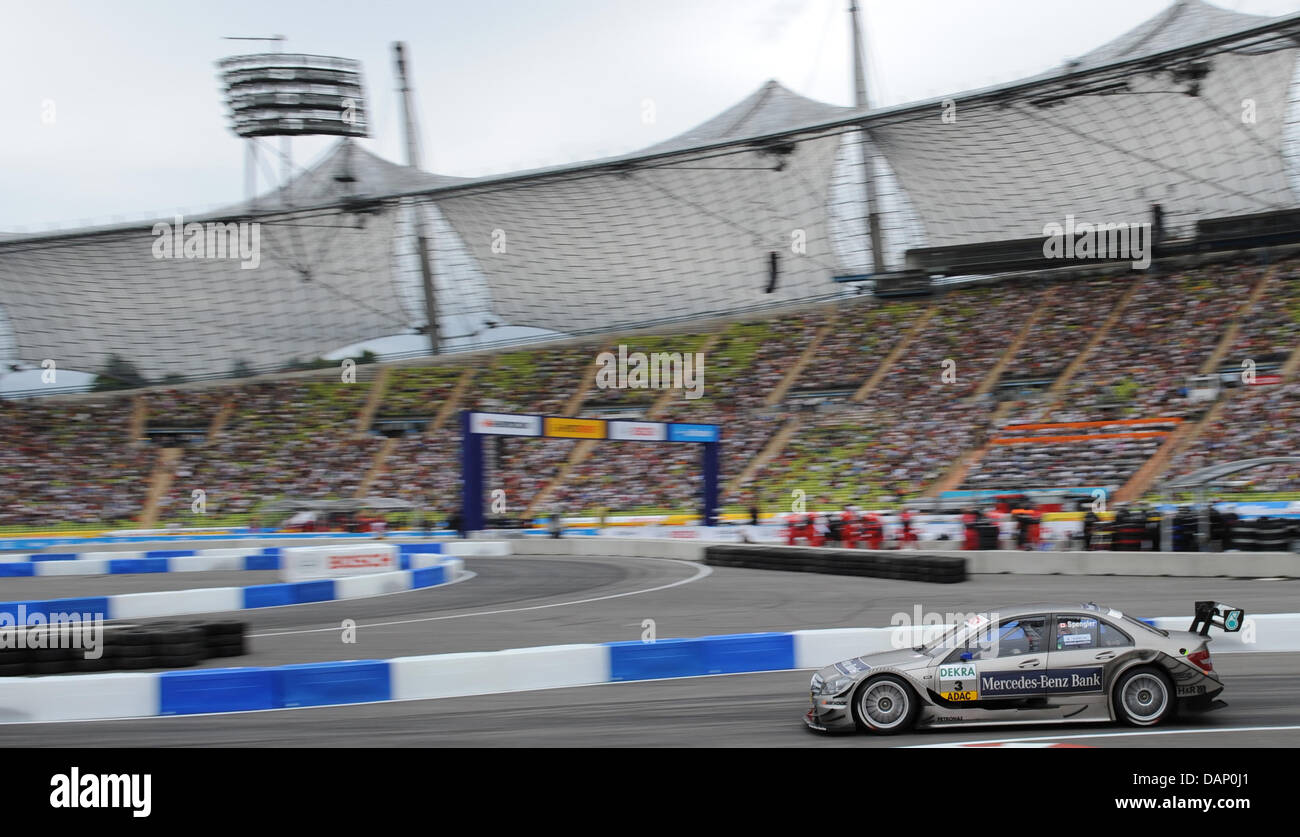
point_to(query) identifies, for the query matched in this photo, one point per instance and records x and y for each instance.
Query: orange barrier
(1046, 440)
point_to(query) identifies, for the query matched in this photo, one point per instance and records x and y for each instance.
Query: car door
(999, 668)
(1083, 645)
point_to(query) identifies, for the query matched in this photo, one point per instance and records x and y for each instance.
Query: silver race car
(1030, 664)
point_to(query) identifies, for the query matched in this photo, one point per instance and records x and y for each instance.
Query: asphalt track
(514, 602)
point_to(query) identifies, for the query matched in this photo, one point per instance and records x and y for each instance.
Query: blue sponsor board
(693, 433)
(1051, 681)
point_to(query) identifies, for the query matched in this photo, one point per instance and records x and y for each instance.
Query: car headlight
(837, 685)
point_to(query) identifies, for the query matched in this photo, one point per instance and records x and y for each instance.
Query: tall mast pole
(423, 247)
(862, 102)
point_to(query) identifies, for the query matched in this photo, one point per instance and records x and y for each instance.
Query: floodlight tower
(278, 95)
(863, 103)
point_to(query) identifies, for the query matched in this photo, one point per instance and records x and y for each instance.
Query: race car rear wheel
(1143, 697)
(885, 705)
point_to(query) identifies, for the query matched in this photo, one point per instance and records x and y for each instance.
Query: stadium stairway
(1234, 324)
(956, 472)
(139, 418)
(377, 467)
(574, 404)
(774, 446)
(219, 419)
(1145, 477)
(1288, 369)
(160, 482)
(995, 374)
(1067, 375)
(869, 385)
(449, 407)
(374, 398)
(792, 374)
(787, 432)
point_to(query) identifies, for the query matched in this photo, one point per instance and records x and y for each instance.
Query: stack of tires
(132, 648)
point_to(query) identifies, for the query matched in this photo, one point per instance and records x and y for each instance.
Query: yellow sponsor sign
(958, 696)
(567, 428)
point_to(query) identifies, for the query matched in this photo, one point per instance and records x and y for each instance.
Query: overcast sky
(138, 130)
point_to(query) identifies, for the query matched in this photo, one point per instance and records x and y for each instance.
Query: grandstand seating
(74, 460)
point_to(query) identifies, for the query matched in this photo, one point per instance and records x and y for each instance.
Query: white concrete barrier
(377, 584)
(472, 548)
(208, 563)
(175, 602)
(420, 560)
(86, 566)
(520, 669)
(73, 697)
(83, 556)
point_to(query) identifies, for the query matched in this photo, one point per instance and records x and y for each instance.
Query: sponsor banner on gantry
(570, 428)
(692, 433)
(638, 431)
(500, 424)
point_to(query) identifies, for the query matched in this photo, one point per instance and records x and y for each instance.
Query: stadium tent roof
(769, 110)
(346, 171)
(1185, 22)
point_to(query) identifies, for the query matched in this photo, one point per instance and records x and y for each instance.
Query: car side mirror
(966, 656)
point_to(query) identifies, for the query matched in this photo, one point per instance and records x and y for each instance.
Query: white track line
(1106, 735)
(701, 571)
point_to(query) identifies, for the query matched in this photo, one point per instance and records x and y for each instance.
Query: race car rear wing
(1229, 618)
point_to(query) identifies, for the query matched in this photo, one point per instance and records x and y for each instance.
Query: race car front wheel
(886, 705)
(1143, 697)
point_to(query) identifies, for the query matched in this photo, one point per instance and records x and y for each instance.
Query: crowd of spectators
(1167, 331)
(70, 463)
(285, 438)
(1256, 421)
(298, 436)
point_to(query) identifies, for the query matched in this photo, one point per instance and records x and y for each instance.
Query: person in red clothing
(848, 528)
(909, 534)
(971, 537)
(793, 527)
(1035, 527)
(873, 530)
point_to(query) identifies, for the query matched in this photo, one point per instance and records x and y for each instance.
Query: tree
(118, 373)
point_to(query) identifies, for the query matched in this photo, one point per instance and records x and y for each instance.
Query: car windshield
(948, 639)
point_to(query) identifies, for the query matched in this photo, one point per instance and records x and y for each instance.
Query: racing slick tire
(885, 705)
(1143, 697)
